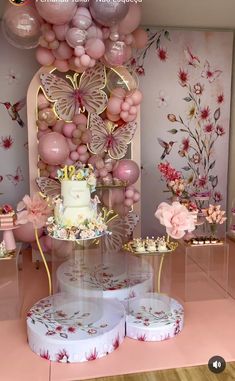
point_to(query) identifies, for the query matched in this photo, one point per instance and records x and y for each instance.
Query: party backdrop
(186, 80)
(16, 70)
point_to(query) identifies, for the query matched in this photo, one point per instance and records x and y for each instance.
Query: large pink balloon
(53, 148)
(26, 233)
(132, 19)
(82, 19)
(127, 170)
(108, 13)
(95, 48)
(21, 27)
(58, 12)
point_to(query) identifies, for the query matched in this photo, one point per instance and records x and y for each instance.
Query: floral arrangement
(176, 218)
(214, 215)
(81, 173)
(174, 180)
(85, 229)
(35, 210)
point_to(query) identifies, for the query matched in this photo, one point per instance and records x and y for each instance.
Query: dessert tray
(204, 241)
(150, 246)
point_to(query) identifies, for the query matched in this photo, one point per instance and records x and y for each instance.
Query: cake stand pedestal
(154, 316)
(8, 238)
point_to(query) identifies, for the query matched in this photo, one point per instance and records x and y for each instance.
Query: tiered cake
(7, 217)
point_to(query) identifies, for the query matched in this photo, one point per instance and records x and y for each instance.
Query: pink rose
(176, 218)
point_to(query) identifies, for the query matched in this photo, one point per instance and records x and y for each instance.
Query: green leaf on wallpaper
(213, 180)
(217, 114)
(183, 130)
(158, 42)
(173, 131)
(187, 99)
(167, 35)
(186, 168)
(181, 119)
(212, 164)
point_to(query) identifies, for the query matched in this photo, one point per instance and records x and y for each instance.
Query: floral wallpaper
(186, 80)
(17, 68)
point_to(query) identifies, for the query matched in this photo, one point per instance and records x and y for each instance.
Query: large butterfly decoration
(106, 137)
(17, 177)
(73, 98)
(210, 74)
(48, 187)
(120, 228)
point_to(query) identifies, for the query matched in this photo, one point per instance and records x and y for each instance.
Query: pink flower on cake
(176, 218)
(37, 211)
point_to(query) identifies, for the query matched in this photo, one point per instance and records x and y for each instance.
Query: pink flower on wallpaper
(220, 98)
(208, 128)
(92, 356)
(220, 130)
(140, 70)
(6, 142)
(205, 113)
(1, 178)
(198, 88)
(191, 58)
(183, 77)
(201, 181)
(162, 53)
(217, 197)
(185, 145)
(72, 329)
(176, 218)
(37, 211)
(196, 158)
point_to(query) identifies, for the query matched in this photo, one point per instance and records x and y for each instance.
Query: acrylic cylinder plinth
(76, 324)
(154, 316)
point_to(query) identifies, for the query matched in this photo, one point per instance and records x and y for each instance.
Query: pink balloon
(42, 102)
(64, 51)
(86, 137)
(57, 13)
(72, 146)
(115, 52)
(85, 60)
(124, 115)
(127, 170)
(82, 18)
(53, 148)
(42, 126)
(60, 31)
(54, 45)
(109, 12)
(133, 110)
(62, 65)
(136, 197)
(80, 119)
(26, 233)
(125, 106)
(95, 48)
(79, 51)
(132, 20)
(130, 118)
(84, 157)
(42, 133)
(75, 37)
(119, 92)
(93, 159)
(68, 161)
(94, 32)
(74, 156)
(112, 117)
(44, 56)
(128, 202)
(82, 149)
(68, 129)
(114, 105)
(58, 127)
(137, 97)
(140, 38)
(99, 164)
(49, 36)
(103, 172)
(129, 193)
(129, 100)
(128, 39)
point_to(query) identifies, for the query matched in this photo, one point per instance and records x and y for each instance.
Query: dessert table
(207, 332)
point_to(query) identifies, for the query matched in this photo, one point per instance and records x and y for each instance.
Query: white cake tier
(65, 335)
(75, 193)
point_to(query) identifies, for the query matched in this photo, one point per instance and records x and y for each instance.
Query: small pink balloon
(119, 92)
(82, 149)
(62, 65)
(60, 31)
(58, 127)
(68, 129)
(72, 146)
(94, 32)
(114, 36)
(128, 39)
(136, 197)
(127, 170)
(132, 20)
(44, 56)
(128, 202)
(74, 156)
(42, 101)
(129, 100)
(82, 18)
(124, 115)
(130, 118)
(129, 193)
(125, 106)
(84, 157)
(140, 38)
(93, 159)
(95, 48)
(75, 37)
(49, 36)
(26, 233)
(112, 117)
(109, 167)
(85, 60)
(77, 61)
(64, 51)
(42, 126)
(53, 174)
(92, 62)
(137, 97)
(79, 51)
(47, 115)
(80, 119)
(53, 148)
(103, 172)
(86, 137)
(57, 13)
(114, 105)
(99, 164)
(133, 110)
(115, 52)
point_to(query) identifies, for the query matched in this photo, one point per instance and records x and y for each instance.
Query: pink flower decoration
(176, 218)
(37, 211)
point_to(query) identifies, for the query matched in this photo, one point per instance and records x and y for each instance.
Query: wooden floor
(199, 373)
